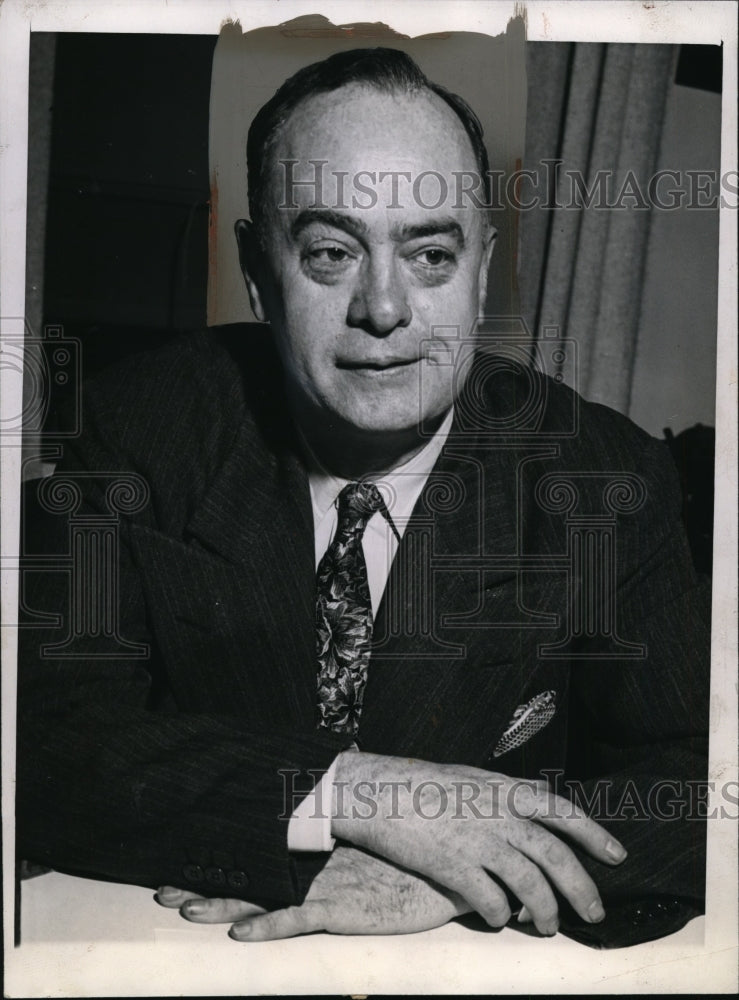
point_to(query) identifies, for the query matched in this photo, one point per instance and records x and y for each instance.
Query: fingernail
(239, 931)
(615, 850)
(524, 917)
(596, 912)
(195, 906)
(166, 892)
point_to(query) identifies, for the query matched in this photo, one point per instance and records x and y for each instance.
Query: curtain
(596, 108)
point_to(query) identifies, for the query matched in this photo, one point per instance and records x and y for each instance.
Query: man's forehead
(360, 119)
(360, 147)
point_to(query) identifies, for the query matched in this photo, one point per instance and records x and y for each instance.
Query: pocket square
(527, 720)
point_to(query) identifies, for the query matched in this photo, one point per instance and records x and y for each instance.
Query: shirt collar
(402, 485)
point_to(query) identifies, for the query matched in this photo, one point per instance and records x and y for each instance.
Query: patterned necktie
(344, 612)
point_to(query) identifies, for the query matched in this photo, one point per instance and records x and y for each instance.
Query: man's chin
(380, 413)
(375, 427)
(380, 426)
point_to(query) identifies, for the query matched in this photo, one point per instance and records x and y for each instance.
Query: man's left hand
(355, 893)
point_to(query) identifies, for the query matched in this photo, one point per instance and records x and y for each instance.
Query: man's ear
(251, 258)
(489, 239)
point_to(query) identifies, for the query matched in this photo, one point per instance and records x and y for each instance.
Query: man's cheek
(297, 281)
(452, 303)
(446, 328)
(318, 312)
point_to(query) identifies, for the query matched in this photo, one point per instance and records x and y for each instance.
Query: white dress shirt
(309, 828)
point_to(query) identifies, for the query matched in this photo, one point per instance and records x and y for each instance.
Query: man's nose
(380, 301)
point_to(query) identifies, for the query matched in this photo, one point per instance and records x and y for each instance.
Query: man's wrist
(359, 778)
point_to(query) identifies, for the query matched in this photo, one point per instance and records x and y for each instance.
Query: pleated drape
(598, 109)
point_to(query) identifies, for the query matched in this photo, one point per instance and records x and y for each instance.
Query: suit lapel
(257, 517)
(430, 678)
(232, 595)
(255, 489)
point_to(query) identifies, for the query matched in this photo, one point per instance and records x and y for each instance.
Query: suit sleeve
(640, 743)
(112, 781)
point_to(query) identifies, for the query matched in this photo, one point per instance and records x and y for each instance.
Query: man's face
(363, 272)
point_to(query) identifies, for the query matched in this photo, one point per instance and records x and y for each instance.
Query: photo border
(709, 968)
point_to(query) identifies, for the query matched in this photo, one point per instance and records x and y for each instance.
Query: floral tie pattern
(344, 612)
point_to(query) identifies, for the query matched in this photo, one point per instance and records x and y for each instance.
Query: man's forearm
(148, 798)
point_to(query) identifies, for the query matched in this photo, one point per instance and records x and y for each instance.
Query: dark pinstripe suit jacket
(164, 768)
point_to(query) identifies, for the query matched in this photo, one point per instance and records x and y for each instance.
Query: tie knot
(357, 503)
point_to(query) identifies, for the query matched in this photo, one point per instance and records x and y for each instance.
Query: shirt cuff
(309, 828)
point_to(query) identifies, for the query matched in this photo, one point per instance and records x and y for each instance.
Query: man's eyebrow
(443, 227)
(309, 216)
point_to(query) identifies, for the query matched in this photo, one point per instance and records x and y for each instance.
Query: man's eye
(329, 255)
(434, 257)
(327, 262)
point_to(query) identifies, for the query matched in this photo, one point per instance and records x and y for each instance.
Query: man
(357, 571)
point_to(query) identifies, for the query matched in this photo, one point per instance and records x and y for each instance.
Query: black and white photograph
(369, 477)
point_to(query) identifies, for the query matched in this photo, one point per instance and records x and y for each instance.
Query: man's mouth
(376, 365)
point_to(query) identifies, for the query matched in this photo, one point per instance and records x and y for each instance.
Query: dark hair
(381, 68)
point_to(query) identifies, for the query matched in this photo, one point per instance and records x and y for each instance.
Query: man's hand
(456, 824)
(355, 893)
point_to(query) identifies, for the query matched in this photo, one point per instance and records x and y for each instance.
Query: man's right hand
(455, 824)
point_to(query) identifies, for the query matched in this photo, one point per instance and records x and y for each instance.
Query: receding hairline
(392, 90)
(383, 70)
(383, 88)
